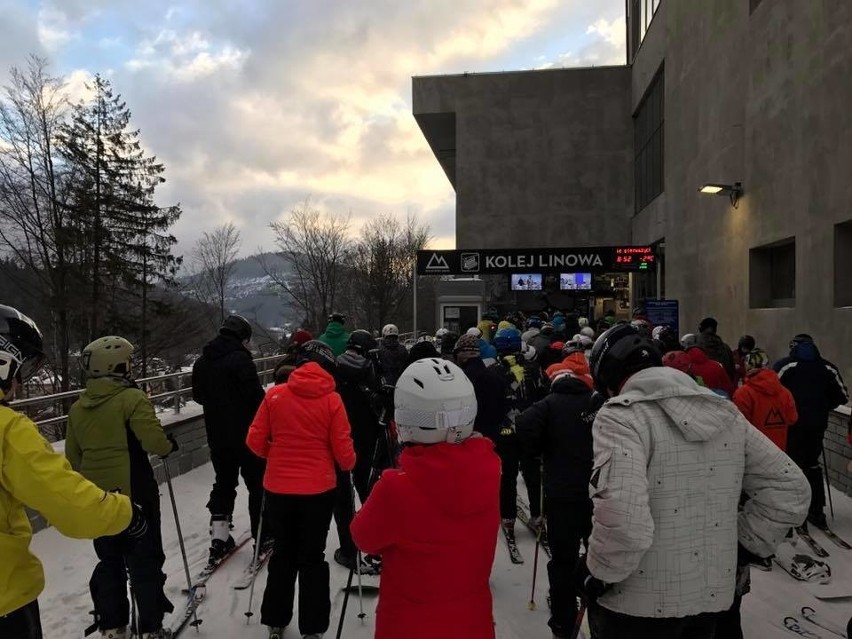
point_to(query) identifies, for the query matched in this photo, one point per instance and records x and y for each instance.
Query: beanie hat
(577, 362)
(422, 350)
(505, 324)
(708, 323)
(473, 330)
(467, 344)
(300, 336)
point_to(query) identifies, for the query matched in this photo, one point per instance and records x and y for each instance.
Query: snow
(68, 563)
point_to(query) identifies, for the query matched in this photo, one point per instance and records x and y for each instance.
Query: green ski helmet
(107, 356)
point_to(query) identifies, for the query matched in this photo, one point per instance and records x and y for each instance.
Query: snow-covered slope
(68, 563)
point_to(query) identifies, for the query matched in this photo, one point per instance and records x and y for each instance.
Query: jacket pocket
(600, 474)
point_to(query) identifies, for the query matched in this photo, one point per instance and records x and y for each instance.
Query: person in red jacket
(301, 430)
(435, 520)
(711, 372)
(764, 401)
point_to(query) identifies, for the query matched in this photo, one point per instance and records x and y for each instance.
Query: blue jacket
(815, 383)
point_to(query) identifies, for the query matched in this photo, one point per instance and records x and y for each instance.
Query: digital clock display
(634, 258)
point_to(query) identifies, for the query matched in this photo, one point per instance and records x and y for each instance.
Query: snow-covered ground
(65, 603)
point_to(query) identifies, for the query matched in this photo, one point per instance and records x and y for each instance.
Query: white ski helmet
(434, 402)
(390, 329)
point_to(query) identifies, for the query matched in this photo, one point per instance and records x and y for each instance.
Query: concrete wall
(763, 99)
(192, 439)
(543, 158)
(838, 452)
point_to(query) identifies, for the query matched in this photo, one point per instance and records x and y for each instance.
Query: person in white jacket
(671, 462)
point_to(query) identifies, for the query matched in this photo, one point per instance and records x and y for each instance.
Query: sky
(255, 105)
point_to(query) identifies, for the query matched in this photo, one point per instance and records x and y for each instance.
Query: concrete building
(755, 92)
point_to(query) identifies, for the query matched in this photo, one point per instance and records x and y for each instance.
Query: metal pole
(414, 296)
(827, 485)
(177, 396)
(168, 472)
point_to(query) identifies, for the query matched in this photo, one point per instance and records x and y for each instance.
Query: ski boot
(221, 542)
(162, 633)
(114, 633)
(316, 635)
(276, 632)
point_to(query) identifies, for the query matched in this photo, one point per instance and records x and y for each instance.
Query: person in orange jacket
(764, 401)
(301, 429)
(435, 520)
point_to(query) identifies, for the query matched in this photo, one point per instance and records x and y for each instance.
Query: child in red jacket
(301, 430)
(764, 401)
(437, 515)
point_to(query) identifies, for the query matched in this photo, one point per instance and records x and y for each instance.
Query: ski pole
(196, 621)
(134, 620)
(538, 533)
(579, 623)
(361, 613)
(827, 485)
(345, 602)
(257, 540)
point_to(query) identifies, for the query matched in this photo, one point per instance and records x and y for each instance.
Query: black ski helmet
(746, 344)
(238, 326)
(319, 352)
(21, 347)
(340, 318)
(618, 353)
(361, 341)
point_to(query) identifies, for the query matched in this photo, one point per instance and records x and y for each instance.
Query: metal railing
(59, 400)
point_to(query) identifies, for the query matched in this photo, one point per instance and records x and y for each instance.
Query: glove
(587, 585)
(138, 525)
(173, 440)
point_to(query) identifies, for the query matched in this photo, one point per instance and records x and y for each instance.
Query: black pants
(509, 450)
(300, 526)
(23, 623)
(568, 523)
(228, 464)
(606, 624)
(804, 446)
(729, 624)
(344, 512)
(144, 560)
(371, 456)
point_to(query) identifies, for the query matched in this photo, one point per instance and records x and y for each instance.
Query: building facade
(754, 92)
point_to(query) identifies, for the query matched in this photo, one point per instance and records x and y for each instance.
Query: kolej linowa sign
(498, 261)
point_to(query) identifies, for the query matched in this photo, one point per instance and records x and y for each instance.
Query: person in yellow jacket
(112, 429)
(32, 475)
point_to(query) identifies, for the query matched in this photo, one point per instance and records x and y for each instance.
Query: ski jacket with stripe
(111, 430)
(32, 475)
(435, 523)
(767, 405)
(815, 383)
(301, 429)
(492, 397)
(671, 461)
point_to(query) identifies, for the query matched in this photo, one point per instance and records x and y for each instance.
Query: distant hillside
(252, 293)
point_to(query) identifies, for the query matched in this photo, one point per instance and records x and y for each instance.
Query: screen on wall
(575, 281)
(526, 281)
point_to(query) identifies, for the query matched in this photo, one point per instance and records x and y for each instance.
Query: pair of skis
(817, 549)
(795, 625)
(515, 555)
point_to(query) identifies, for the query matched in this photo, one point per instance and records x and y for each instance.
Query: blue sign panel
(663, 312)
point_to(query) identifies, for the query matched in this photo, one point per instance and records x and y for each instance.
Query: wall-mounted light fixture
(733, 191)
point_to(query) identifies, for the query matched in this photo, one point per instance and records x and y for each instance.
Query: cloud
(255, 105)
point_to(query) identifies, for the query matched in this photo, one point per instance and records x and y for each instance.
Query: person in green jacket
(33, 475)
(335, 334)
(111, 430)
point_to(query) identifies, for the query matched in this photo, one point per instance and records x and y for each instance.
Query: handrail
(176, 393)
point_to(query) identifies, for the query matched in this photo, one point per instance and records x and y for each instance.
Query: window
(843, 264)
(772, 275)
(641, 13)
(752, 5)
(648, 144)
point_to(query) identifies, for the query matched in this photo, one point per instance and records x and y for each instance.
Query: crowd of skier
(657, 469)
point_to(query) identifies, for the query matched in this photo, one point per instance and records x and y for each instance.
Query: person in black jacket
(818, 389)
(559, 428)
(492, 391)
(225, 383)
(393, 356)
(357, 384)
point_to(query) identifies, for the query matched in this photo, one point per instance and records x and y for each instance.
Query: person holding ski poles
(36, 477)
(112, 429)
(434, 520)
(301, 429)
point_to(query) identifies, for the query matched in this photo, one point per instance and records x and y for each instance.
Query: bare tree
(214, 258)
(315, 246)
(382, 266)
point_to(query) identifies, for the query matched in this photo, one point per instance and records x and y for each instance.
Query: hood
(222, 345)
(486, 350)
(392, 343)
(311, 381)
(699, 418)
(450, 475)
(765, 381)
(805, 352)
(352, 367)
(697, 355)
(335, 329)
(101, 389)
